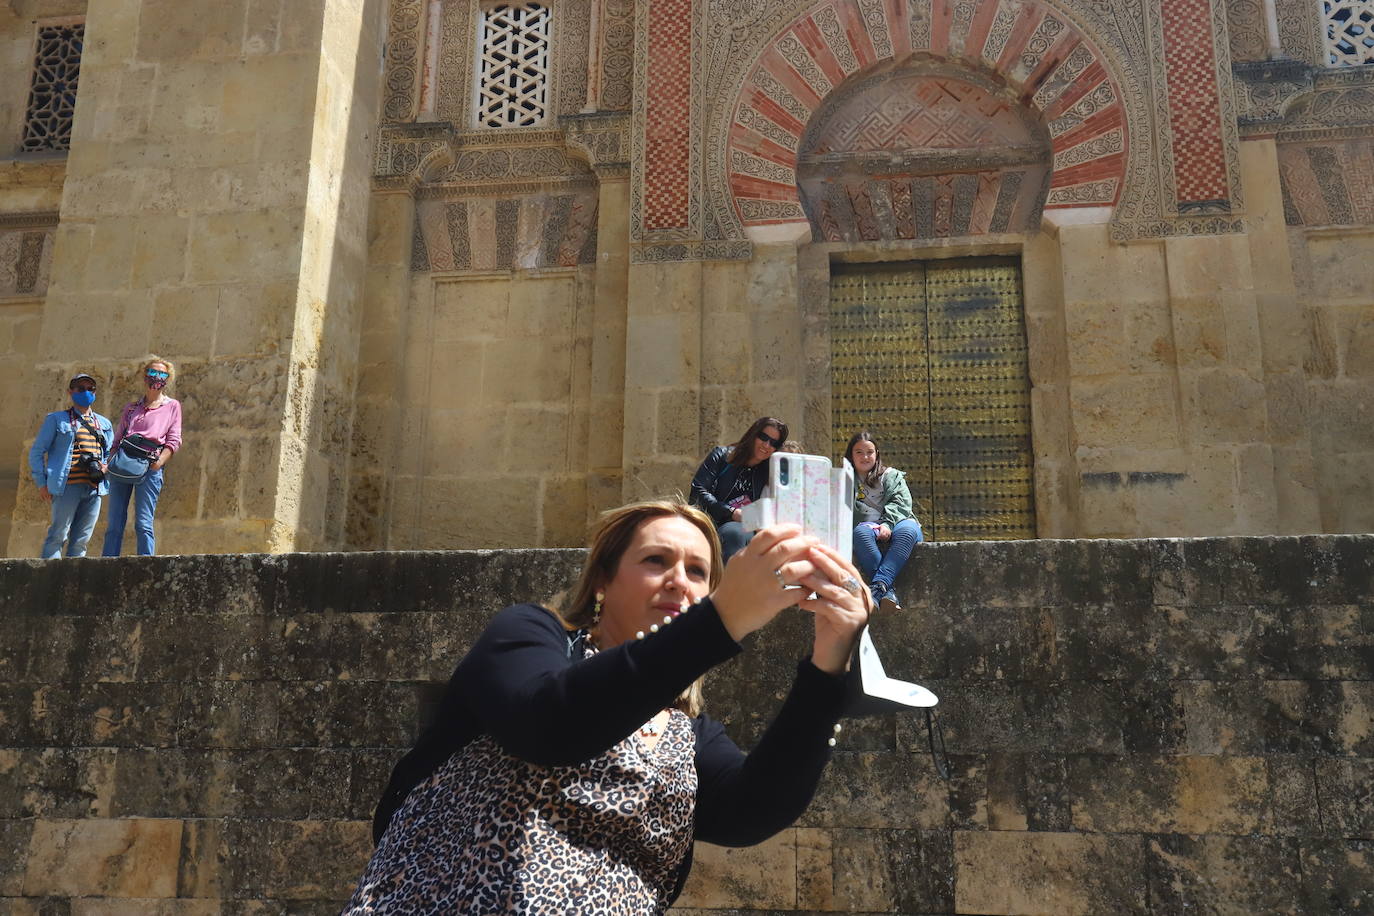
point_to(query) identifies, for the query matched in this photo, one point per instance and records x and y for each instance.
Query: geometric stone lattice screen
(1349, 29)
(931, 358)
(52, 93)
(513, 77)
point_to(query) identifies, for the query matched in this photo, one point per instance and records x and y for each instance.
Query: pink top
(161, 423)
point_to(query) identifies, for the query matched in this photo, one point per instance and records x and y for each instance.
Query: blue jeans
(733, 537)
(879, 565)
(145, 504)
(73, 519)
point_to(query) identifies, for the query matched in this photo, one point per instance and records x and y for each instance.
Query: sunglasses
(764, 437)
(153, 373)
(85, 388)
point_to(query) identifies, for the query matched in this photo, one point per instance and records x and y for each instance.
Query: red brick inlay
(1194, 109)
(668, 115)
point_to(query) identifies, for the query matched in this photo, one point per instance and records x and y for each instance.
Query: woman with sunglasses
(733, 476)
(158, 417)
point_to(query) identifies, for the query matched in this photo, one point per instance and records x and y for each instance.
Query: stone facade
(399, 330)
(1131, 727)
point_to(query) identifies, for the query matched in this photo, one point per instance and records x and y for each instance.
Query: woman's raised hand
(841, 607)
(753, 588)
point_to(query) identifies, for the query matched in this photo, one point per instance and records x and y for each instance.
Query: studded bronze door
(931, 356)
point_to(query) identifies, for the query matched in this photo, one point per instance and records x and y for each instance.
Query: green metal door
(931, 357)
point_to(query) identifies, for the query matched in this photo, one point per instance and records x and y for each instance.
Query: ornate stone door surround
(1139, 97)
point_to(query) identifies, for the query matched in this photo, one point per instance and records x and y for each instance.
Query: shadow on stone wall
(1133, 726)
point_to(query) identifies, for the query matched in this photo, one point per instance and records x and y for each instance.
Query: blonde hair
(171, 369)
(610, 538)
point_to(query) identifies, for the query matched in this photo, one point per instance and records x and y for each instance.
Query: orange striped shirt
(84, 444)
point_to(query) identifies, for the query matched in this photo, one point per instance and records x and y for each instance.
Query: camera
(91, 465)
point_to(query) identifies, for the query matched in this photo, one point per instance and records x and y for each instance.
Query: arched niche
(1037, 55)
(922, 150)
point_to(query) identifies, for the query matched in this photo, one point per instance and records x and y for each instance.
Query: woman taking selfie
(569, 768)
(156, 417)
(886, 531)
(733, 476)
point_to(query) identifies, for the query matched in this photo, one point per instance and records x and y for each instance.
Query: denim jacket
(50, 458)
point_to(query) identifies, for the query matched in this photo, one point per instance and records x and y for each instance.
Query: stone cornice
(38, 219)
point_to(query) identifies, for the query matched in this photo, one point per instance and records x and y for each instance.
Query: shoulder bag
(133, 456)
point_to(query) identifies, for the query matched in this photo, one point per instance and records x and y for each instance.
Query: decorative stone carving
(617, 54)
(1300, 32)
(26, 241)
(406, 152)
(1328, 182)
(666, 142)
(523, 163)
(1341, 106)
(922, 150)
(567, 61)
(1265, 90)
(1050, 60)
(1245, 27)
(1096, 65)
(513, 65)
(601, 139)
(1348, 27)
(52, 88)
(460, 228)
(404, 51)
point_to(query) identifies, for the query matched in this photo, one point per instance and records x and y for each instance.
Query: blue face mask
(83, 398)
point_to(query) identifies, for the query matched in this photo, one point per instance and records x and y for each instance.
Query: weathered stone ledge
(1132, 726)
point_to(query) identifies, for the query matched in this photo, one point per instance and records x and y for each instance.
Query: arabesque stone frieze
(1266, 88)
(602, 139)
(26, 243)
(1326, 151)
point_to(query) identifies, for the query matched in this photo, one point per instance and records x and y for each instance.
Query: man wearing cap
(68, 464)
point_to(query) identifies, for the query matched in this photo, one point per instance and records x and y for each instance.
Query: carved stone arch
(1075, 77)
(435, 161)
(922, 150)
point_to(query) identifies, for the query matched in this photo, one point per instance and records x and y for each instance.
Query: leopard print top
(490, 833)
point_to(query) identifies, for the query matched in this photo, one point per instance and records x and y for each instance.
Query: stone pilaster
(215, 213)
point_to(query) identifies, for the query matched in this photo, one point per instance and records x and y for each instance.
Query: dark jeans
(733, 537)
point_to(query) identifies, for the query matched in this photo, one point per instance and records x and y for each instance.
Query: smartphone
(807, 490)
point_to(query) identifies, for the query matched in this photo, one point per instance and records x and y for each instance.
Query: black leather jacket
(713, 481)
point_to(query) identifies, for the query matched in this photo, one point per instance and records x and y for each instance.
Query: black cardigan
(520, 685)
(712, 483)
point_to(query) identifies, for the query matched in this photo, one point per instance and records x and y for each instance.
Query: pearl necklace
(651, 729)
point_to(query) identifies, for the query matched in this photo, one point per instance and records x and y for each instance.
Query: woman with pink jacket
(158, 417)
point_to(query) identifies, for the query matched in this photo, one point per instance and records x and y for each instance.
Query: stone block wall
(1336, 270)
(494, 393)
(1131, 727)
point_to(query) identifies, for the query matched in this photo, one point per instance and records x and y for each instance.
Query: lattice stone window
(52, 92)
(513, 69)
(1349, 26)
